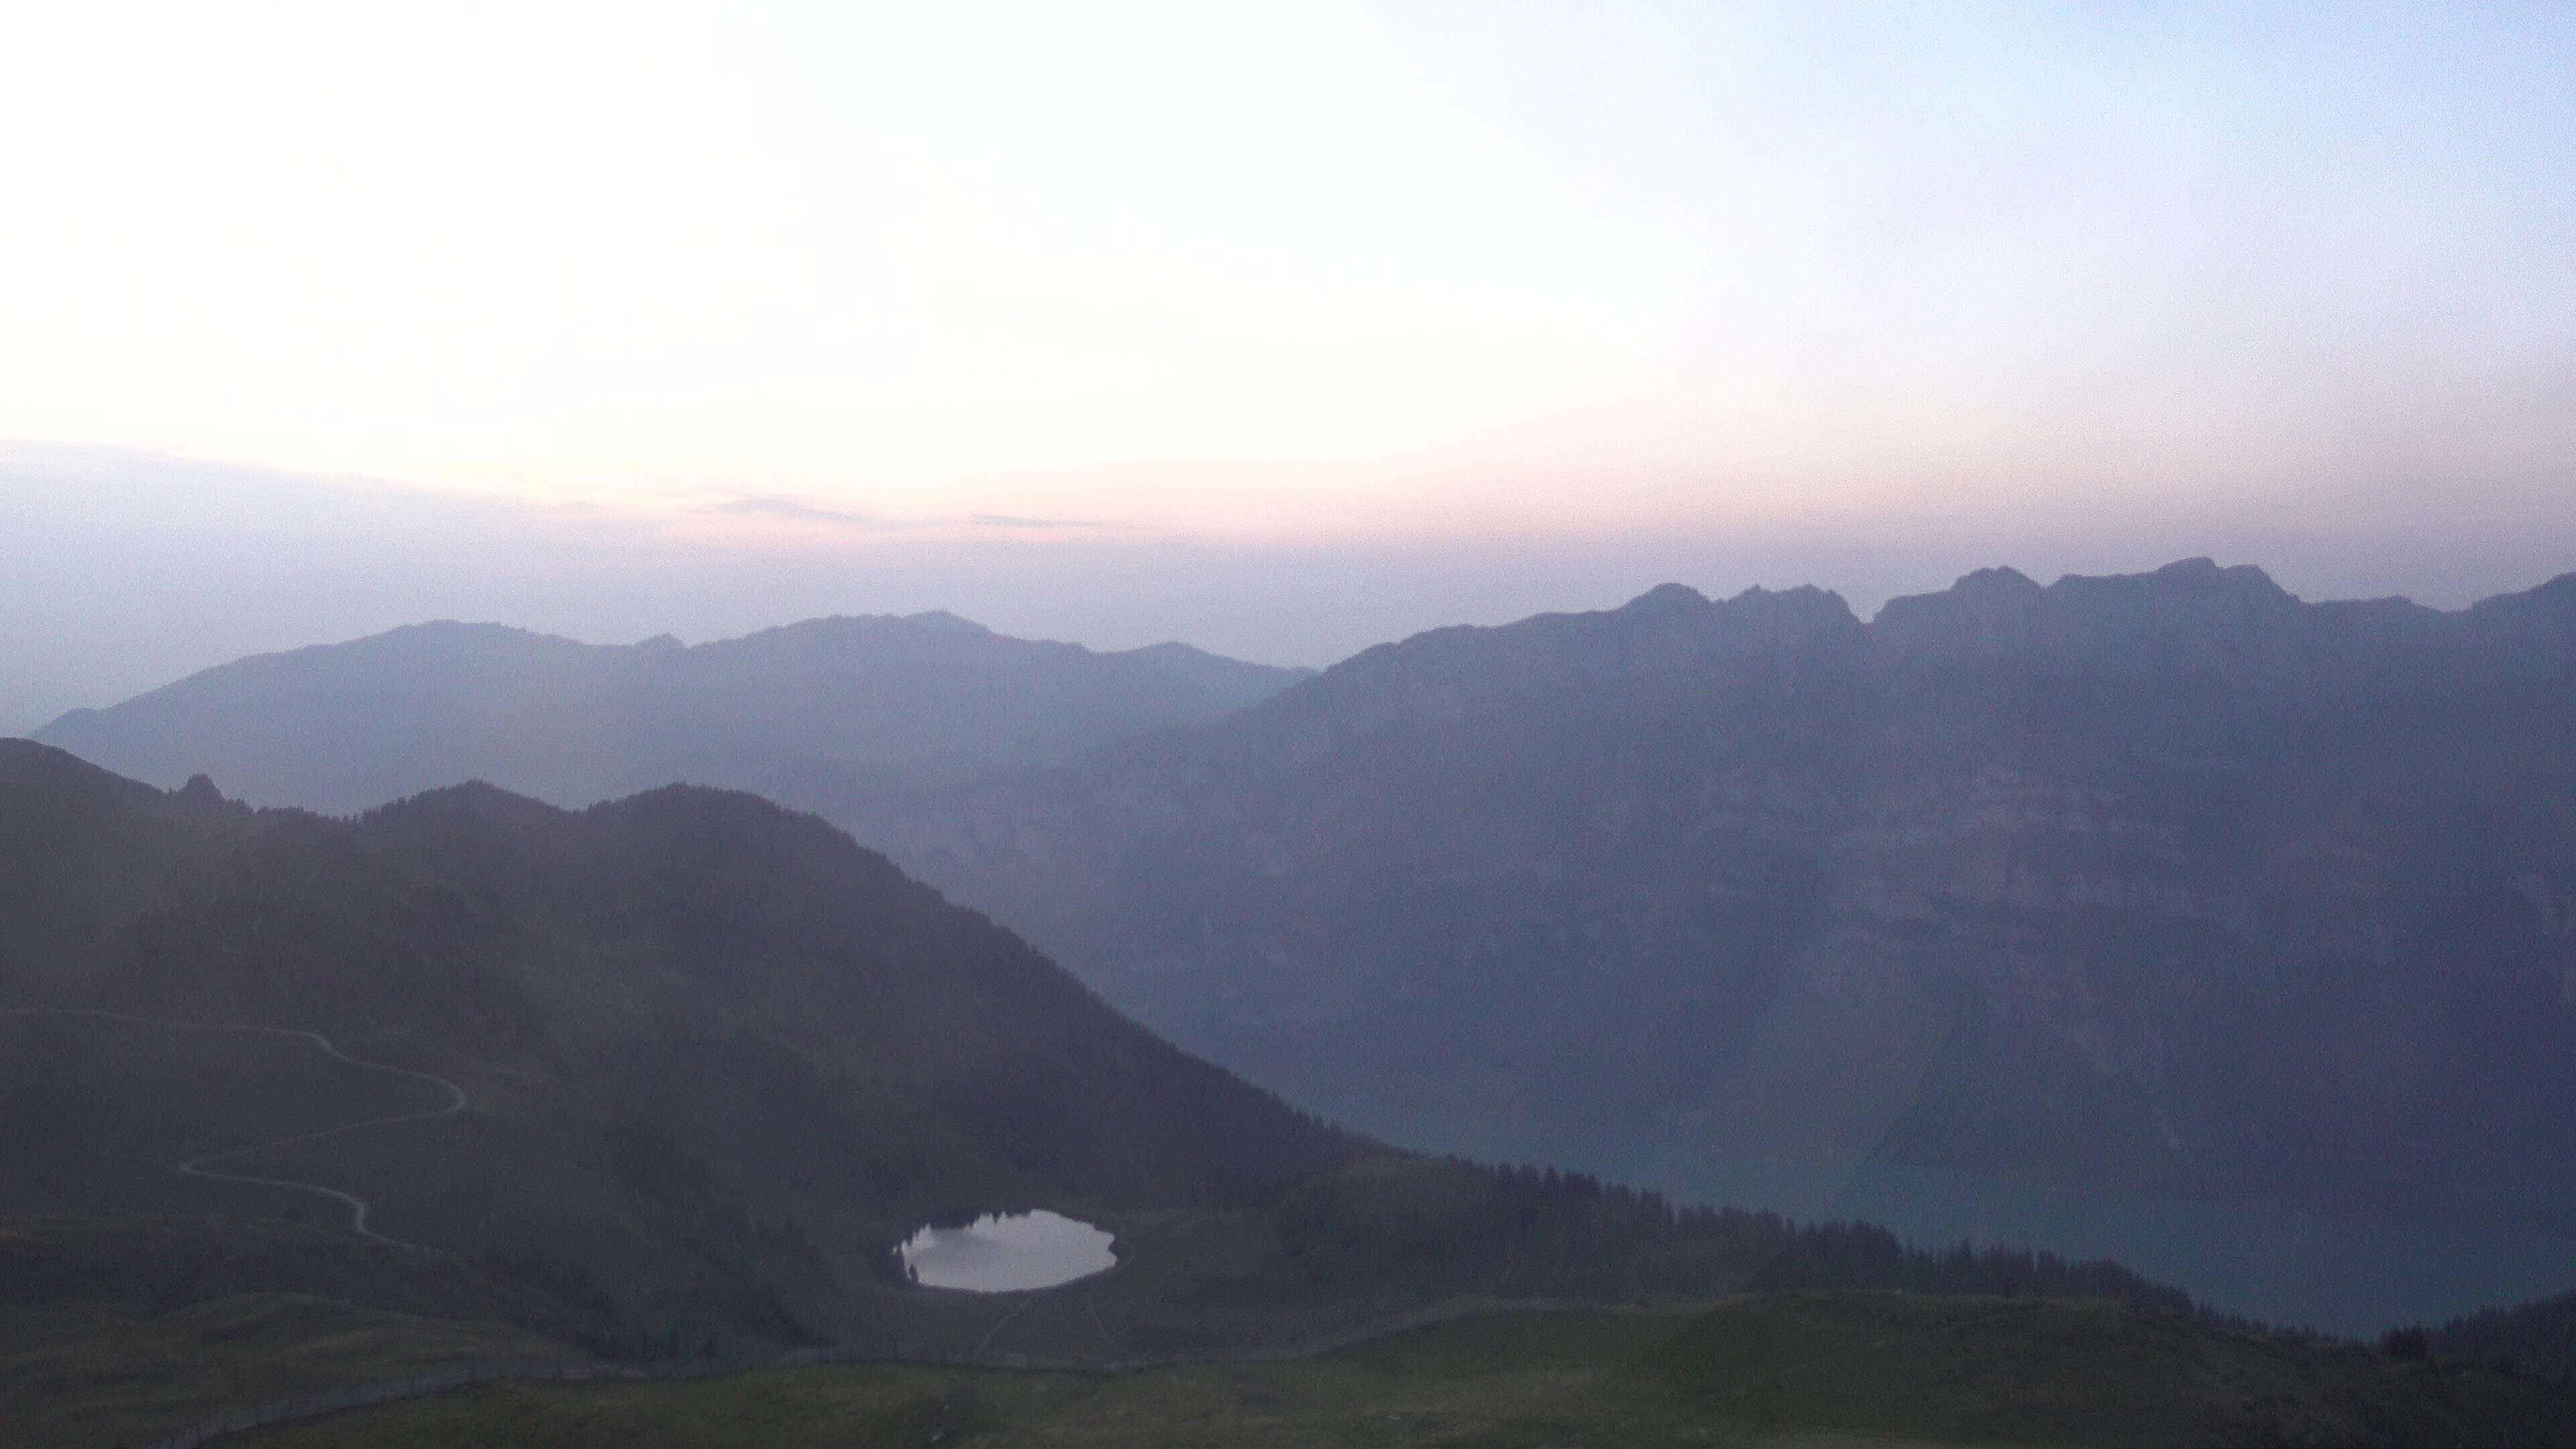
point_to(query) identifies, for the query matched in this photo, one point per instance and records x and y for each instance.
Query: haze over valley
(1368, 723)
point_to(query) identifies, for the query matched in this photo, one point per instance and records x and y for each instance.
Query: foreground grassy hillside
(114, 1331)
(1844, 1370)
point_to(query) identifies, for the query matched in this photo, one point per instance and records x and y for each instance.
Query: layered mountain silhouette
(2167, 884)
(2163, 883)
(682, 1019)
(801, 711)
(681, 1069)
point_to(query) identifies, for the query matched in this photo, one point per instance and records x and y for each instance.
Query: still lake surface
(1009, 1253)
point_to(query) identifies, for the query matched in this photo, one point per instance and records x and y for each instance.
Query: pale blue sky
(1494, 305)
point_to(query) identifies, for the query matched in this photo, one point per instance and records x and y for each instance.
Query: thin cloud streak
(803, 512)
(130, 571)
(815, 519)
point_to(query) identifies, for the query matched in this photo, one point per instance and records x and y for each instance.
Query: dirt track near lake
(198, 1166)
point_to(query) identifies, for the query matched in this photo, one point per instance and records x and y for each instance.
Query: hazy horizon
(1281, 333)
(142, 569)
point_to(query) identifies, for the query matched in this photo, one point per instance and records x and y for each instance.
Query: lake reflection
(998, 1254)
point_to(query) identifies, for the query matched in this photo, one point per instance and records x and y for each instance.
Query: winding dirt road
(198, 1166)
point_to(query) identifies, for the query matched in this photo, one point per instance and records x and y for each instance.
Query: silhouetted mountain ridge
(2188, 616)
(345, 726)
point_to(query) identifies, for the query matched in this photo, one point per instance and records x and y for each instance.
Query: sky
(1282, 329)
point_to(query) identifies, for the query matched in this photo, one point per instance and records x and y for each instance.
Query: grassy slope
(1816, 1370)
(2088, 1373)
(95, 1115)
(114, 1330)
(87, 1375)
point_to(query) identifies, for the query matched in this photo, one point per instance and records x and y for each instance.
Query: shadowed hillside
(2537, 1340)
(712, 1048)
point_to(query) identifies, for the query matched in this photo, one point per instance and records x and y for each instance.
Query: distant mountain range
(2164, 886)
(806, 710)
(2166, 883)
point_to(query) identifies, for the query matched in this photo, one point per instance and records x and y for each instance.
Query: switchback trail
(198, 1166)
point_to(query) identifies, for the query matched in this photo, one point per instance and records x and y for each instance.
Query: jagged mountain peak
(2193, 614)
(2190, 578)
(1671, 601)
(2003, 579)
(1666, 599)
(940, 621)
(1820, 607)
